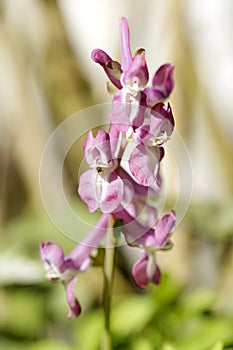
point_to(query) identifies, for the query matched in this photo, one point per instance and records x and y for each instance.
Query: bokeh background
(46, 76)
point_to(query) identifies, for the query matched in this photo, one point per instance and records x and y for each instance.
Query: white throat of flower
(52, 272)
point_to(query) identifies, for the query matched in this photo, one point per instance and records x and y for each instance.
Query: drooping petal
(111, 68)
(143, 274)
(75, 308)
(126, 56)
(163, 229)
(144, 164)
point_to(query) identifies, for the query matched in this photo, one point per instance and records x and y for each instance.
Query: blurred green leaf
(218, 346)
(89, 330)
(199, 300)
(131, 315)
(22, 314)
(50, 345)
(204, 333)
(143, 343)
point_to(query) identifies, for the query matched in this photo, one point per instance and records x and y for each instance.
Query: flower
(156, 129)
(100, 186)
(149, 240)
(65, 268)
(130, 77)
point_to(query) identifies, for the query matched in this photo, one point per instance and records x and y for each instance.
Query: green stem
(108, 269)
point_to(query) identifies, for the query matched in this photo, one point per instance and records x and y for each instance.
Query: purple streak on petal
(164, 227)
(50, 253)
(75, 308)
(144, 165)
(87, 191)
(126, 56)
(111, 68)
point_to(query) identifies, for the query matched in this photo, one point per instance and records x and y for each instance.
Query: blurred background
(46, 76)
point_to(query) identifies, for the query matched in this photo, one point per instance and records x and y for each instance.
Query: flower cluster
(124, 171)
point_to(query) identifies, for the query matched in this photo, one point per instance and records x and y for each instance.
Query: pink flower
(158, 128)
(63, 268)
(150, 240)
(130, 77)
(100, 186)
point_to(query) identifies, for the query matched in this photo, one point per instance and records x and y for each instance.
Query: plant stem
(108, 270)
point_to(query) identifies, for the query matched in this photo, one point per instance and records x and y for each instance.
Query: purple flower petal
(114, 135)
(143, 274)
(144, 164)
(75, 308)
(80, 255)
(97, 149)
(120, 113)
(137, 73)
(126, 56)
(51, 252)
(163, 80)
(87, 190)
(162, 119)
(162, 85)
(111, 68)
(101, 190)
(152, 96)
(111, 193)
(163, 229)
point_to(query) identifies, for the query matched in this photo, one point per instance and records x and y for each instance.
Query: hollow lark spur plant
(123, 178)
